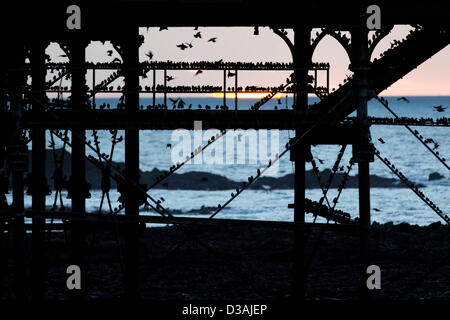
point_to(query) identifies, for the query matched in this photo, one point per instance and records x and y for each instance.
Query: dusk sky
(239, 44)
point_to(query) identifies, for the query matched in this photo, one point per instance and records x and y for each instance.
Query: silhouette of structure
(25, 108)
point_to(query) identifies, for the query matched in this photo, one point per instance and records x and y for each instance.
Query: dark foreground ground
(255, 263)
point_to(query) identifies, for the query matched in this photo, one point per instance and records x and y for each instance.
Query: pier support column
(130, 51)
(17, 161)
(4, 181)
(39, 182)
(76, 51)
(301, 61)
(363, 151)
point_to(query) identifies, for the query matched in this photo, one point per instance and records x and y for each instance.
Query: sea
(162, 148)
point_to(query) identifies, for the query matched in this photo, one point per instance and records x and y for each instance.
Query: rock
(435, 176)
(403, 227)
(435, 225)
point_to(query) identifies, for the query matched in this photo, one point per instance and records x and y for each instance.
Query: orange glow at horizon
(248, 95)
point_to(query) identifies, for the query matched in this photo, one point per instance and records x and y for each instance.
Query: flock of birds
(438, 108)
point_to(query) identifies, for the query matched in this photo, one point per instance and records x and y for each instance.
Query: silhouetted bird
(376, 209)
(182, 46)
(230, 74)
(169, 78)
(403, 99)
(198, 35)
(440, 108)
(149, 54)
(196, 28)
(189, 44)
(381, 140)
(181, 104)
(199, 71)
(169, 145)
(320, 160)
(109, 52)
(212, 39)
(174, 101)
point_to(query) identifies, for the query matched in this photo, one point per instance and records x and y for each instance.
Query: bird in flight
(182, 46)
(230, 74)
(440, 108)
(320, 160)
(163, 28)
(189, 44)
(199, 71)
(376, 209)
(174, 101)
(169, 78)
(149, 54)
(198, 35)
(381, 140)
(109, 52)
(403, 99)
(212, 39)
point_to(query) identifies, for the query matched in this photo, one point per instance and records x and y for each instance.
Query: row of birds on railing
(273, 92)
(403, 120)
(196, 65)
(397, 43)
(176, 89)
(412, 186)
(329, 211)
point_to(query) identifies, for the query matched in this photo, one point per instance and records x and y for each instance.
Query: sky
(240, 44)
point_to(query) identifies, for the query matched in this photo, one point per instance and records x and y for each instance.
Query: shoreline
(255, 262)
